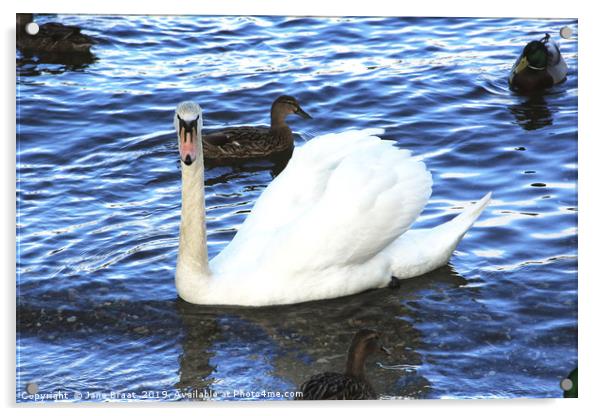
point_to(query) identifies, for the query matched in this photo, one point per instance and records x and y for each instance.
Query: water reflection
(30, 65)
(200, 331)
(533, 113)
(301, 340)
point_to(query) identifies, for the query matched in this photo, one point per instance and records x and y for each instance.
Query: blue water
(98, 199)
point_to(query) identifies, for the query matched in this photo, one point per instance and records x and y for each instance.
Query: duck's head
(188, 121)
(365, 343)
(285, 105)
(534, 56)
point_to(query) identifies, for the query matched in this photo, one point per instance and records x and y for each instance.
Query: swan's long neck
(192, 271)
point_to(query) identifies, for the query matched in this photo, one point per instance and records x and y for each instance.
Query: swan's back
(340, 201)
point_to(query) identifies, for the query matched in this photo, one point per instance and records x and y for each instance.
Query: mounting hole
(566, 32)
(566, 384)
(31, 388)
(32, 28)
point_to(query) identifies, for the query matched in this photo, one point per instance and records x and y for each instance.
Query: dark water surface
(98, 197)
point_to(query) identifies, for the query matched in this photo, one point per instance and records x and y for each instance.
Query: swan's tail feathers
(420, 251)
(467, 218)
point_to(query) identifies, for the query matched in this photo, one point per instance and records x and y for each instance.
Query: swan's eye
(188, 126)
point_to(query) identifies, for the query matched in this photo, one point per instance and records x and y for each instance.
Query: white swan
(333, 223)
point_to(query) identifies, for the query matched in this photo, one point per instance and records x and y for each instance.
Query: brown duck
(248, 142)
(52, 38)
(351, 385)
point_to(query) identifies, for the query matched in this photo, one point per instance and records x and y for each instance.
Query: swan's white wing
(340, 201)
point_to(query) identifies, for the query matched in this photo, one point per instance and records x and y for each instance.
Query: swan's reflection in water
(200, 333)
(277, 348)
(532, 112)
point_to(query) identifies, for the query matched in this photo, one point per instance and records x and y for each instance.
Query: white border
(590, 175)
(464, 8)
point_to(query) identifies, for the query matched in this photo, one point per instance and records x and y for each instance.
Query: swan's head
(188, 122)
(285, 105)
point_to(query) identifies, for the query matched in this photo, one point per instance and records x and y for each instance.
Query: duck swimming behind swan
(539, 66)
(353, 384)
(335, 222)
(242, 143)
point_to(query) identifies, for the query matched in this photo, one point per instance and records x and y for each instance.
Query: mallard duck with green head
(539, 66)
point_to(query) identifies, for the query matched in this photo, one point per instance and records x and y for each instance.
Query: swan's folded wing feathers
(304, 180)
(372, 196)
(341, 200)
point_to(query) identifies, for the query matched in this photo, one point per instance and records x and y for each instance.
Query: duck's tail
(420, 251)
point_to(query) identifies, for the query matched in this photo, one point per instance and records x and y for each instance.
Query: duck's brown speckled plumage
(52, 38)
(248, 142)
(239, 143)
(337, 386)
(351, 385)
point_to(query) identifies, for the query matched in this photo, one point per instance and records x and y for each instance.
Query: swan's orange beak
(188, 142)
